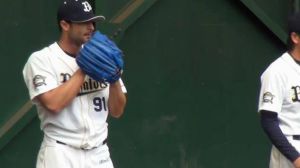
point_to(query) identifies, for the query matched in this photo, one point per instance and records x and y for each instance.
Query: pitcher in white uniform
(73, 108)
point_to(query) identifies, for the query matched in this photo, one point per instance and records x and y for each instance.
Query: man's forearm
(117, 100)
(55, 100)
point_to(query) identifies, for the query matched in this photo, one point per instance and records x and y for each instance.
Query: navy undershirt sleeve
(270, 124)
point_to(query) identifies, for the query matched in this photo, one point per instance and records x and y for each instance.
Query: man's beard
(77, 40)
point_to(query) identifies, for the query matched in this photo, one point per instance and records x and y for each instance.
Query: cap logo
(87, 6)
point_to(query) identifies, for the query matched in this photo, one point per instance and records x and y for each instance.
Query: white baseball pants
(55, 155)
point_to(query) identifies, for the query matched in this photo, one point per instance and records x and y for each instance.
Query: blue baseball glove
(101, 59)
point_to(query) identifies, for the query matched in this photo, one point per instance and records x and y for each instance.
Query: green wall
(26, 27)
(192, 72)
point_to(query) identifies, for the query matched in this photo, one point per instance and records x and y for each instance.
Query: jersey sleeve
(271, 92)
(270, 124)
(38, 75)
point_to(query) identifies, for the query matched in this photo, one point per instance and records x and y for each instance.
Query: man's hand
(297, 163)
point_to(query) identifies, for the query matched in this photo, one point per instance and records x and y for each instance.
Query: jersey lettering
(65, 77)
(99, 104)
(89, 86)
(296, 93)
(87, 6)
(92, 85)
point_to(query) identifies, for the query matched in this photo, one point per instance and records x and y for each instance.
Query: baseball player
(279, 102)
(73, 108)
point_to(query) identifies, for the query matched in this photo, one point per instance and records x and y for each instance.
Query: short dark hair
(59, 27)
(289, 43)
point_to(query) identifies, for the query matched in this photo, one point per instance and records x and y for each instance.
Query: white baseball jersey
(81, 124)
(280, 93)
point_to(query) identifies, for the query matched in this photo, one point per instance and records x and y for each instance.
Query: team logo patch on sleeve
(39, 80)
(268, 97)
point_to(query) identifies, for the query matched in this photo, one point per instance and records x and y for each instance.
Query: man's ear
(65, 26)
(295, 38)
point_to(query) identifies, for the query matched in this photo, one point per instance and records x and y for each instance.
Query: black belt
(296, 137)
(103, 143)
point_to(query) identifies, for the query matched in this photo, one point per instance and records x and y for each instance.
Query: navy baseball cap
(294, 23)
(77, 11)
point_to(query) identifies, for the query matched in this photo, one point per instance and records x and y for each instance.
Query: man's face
(80, 33)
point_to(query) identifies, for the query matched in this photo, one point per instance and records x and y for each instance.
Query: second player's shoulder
(277, 69)
(279, 64)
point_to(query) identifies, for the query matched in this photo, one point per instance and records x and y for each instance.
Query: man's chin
(86, 38)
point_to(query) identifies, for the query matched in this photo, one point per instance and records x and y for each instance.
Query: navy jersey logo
(65, 77)
(89, 86)
(296, 92)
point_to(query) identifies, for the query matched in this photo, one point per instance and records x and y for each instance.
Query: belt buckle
(84, 146)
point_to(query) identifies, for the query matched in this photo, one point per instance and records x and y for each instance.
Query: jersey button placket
(85, 122)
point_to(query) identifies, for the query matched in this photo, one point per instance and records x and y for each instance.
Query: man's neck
(68, 47)
(295, 53)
